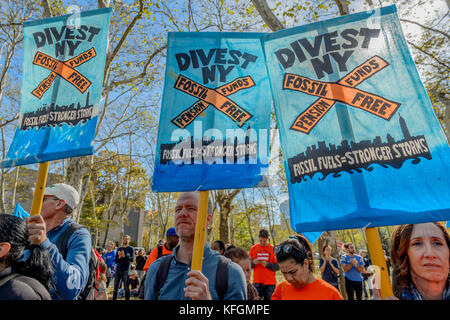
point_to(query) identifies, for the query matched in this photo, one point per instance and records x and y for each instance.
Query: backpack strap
(62, 245)
(63, 239)
(222, 276)
(7, 278)
(160, 249)
(35, 285)
(162, 273)
(160, 276)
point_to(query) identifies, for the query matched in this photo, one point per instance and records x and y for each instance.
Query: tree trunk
(268, 206)
(16, 179)
(2, 177)
(224, 228)
(249, 221)
(447, 123)
(78, 176)
(149, 246)
(94, 215)
(343, 7)
(106, 234)
(266, 13)
(330, 238)
(224, 201)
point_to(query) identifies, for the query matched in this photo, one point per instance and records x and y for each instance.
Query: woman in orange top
(300, 284)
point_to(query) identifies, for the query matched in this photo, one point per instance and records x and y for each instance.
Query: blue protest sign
(20, 212)
(311, 236)
(215, 114)
(361, 142)
(63, 67)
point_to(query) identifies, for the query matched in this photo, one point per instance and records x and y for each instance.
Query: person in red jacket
(264, 264)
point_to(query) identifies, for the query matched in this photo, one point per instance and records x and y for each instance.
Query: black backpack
(34, 284)
(221, 275)
(90, 289)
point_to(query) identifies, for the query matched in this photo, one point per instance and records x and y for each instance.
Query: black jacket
(124, 264)
(22, 288)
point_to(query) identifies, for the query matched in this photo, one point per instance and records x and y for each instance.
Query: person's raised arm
(346, 266)
(323, 264)
(71, 273)
(335, 267)
(359, 265)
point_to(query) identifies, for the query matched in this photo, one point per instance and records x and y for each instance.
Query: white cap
(65, 192)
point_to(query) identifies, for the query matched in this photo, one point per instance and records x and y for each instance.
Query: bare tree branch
(427, 28)
(10, 24)
(343, 7)
(111, 56)
(47, 9)
(103, 3)
(9, 121)
(115, 84)
(266, 13)
(429, 54)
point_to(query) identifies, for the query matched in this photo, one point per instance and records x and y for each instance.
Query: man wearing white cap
(72, 262)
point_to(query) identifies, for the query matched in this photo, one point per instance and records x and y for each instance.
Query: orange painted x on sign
(342, 91)
(63, 69)
(216, 97)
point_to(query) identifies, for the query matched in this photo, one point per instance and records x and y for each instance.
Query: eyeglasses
(53, 198)
(287, 248)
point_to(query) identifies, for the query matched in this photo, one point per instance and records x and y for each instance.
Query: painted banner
(361, 142)
(63, 67)
(20, 212)
(215, 114)
(311, 236)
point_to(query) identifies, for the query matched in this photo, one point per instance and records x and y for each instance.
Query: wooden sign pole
(39, 190)
(200, 231)
(377, 257)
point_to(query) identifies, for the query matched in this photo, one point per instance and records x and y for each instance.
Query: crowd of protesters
(50, 257)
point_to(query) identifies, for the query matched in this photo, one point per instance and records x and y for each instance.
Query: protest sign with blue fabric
(20, 212)
(311, 236)
(215, 114)
(362, 145)
(63, 67)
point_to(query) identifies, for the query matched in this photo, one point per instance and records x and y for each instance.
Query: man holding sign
(72, 266)
(180, 282)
